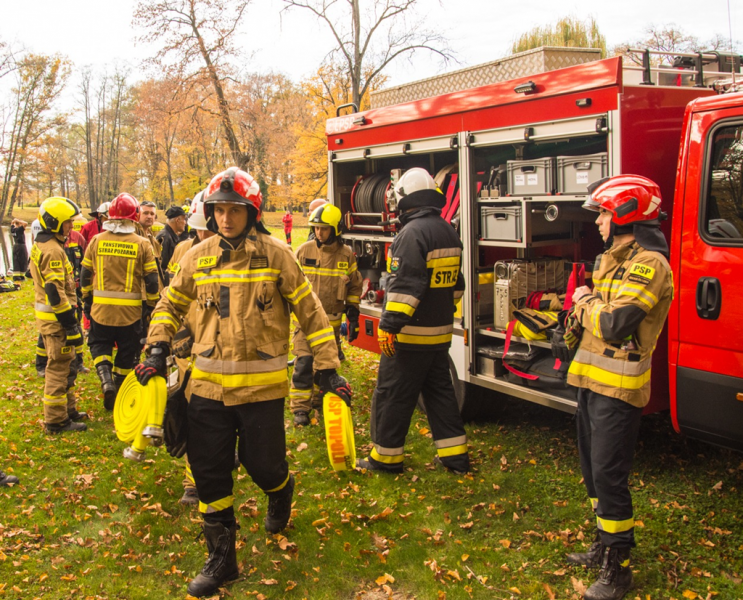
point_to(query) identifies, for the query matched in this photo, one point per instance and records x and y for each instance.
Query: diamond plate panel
(522, 64)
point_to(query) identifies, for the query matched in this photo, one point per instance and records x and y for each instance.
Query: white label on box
(581, 177)
(518, 179)
(532, 179)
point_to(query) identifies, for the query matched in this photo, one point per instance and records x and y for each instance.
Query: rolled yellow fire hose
(339, 432)
(138, 414)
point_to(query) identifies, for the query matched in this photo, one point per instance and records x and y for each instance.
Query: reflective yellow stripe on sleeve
(301, 292)
(216, 506)
(321, 336)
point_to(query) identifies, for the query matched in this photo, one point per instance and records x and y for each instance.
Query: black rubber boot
(118, 381)
(76, 415)
(221, 564)
(279, 507)
(615, 577)
(591, 558)
(301, 419)
(8, 480)
(68, 425)
(107, 386)
(370, 465)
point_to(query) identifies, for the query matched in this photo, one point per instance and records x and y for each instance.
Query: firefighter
(197, 222)
(116, 263)
(243, 283)
(415, 331)
(618, 324)
(147, 216)
(330, 267)
(94, 227)
(20, 250)
(173, 233)
(54, 289)
(288, 221)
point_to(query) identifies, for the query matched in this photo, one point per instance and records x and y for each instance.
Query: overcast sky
(99, 32)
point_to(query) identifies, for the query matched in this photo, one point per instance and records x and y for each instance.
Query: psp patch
(206, 262)
(640, 273)
(343, 265)
(394, 264)
(55, 264)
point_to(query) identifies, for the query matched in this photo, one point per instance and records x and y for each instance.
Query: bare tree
(198, 31)
(369, 39)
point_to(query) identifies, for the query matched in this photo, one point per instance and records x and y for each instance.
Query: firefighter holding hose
(245, 284)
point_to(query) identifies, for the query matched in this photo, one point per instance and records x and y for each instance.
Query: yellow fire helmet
(339, 433)
(326, 215)
(56, 210)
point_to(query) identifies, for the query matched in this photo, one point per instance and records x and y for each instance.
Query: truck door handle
(709, 298)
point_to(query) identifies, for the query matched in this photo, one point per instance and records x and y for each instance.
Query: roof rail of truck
(685, 69)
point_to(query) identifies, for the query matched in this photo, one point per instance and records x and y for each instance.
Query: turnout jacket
(331, 270)
(245, 296)
(115, 268)
(424, 263)
(54, 285)
(622, 319)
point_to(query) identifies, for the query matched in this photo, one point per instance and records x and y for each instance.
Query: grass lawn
(86, 523)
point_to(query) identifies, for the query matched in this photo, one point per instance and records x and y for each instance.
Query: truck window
(722, 223)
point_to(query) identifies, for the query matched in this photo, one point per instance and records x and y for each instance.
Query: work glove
(328, 380)
(87, 305)
(352, 317)
(386, 341)
(565, 338)
(146, 315)
(74, 336)
(156, 363)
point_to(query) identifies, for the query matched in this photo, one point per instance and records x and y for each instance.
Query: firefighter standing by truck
(54, 291)
(197, 222)
(415, 331)
(330, 267)
(618, 324)
(244, 283)
(116, 264)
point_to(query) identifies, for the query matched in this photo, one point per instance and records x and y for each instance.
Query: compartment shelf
(514, 338)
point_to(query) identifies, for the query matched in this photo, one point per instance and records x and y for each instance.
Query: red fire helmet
(124, 206)
(630, 198)
(234, 186)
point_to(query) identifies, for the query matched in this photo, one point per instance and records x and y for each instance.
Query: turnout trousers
(401, 379)
(126, 338)
(607, 433)
(59, 382)
(213, 431)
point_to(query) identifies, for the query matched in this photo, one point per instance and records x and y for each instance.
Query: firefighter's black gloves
(87, 305)
(74, 336)
(156, 363)
(328, 380)
(352, 315)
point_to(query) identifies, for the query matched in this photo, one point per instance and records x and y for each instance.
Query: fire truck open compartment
(515, 168)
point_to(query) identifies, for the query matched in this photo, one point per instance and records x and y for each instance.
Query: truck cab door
(709, 371)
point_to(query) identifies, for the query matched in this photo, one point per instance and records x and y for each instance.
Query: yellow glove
(386, 341)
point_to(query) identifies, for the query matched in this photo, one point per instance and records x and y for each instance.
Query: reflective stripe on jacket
(245, 297)
(425, 280)
(50, 266)
(119, 263)
(332, 271)
(622, 319)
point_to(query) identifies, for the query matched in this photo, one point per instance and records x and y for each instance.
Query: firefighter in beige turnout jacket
(621, 320)
(245, 285)
(54, 296)
(330, 267)
(118, 263)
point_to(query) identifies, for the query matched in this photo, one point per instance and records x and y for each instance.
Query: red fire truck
(514, 159)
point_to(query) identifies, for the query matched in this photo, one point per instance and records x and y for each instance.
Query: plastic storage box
(576, 173)
(531, 177)
(502, 223)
